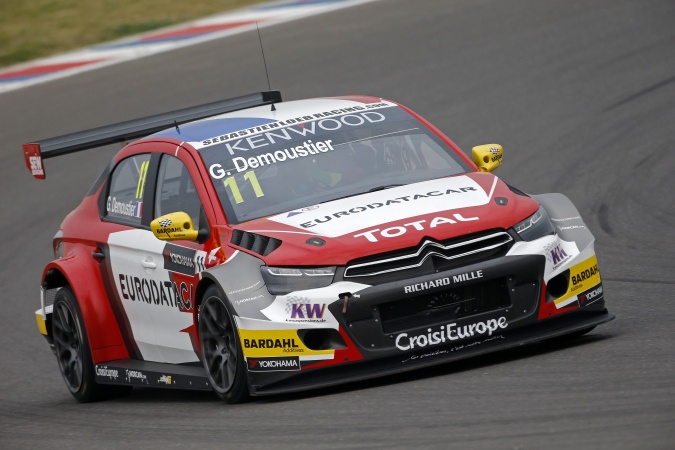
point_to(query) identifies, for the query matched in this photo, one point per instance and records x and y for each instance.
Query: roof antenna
(176, 125)
(269, 86)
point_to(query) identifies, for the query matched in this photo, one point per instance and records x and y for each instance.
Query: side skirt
(132, 372)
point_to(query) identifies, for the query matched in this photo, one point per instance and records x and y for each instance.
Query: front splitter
(431, 356)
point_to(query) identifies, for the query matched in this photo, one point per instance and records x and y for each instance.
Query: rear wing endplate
(35, 152)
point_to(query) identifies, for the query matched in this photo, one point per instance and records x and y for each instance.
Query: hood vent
(257, 243)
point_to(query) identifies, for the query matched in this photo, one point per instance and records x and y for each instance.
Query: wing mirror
(174, 226)
(487, 157)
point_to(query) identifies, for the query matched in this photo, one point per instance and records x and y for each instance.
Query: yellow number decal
(250, 176)
(229, 181)
(236, 193)
(141, 179)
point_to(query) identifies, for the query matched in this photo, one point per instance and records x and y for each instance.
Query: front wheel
(221, 351)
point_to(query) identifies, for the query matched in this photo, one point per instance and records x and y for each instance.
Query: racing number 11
(252, 178)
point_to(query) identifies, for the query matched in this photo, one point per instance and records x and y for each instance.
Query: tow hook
(345, 297)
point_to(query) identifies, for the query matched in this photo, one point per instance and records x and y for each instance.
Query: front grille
(432, 256)
(451, 304)
(257, 243)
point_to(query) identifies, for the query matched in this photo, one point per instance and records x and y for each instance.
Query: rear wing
(35, 152)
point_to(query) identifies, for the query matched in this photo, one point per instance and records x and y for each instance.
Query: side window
(125, 194)
(175, 190)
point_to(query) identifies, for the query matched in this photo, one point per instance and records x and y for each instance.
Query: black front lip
(402, 362)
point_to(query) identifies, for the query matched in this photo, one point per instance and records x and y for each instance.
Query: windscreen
(286, 166)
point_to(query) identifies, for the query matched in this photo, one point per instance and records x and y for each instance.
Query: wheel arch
(54, 278)
(567, 219)
(206, 282)
(103, 332)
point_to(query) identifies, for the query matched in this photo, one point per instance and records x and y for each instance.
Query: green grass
(126, 29)
(32, 29)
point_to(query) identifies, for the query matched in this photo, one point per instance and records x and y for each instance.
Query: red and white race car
(253, 247)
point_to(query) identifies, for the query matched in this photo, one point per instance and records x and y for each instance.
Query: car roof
(198, 131)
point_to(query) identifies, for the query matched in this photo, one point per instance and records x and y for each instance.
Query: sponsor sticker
(419, 225)
(179, 259)
(247, 288)
(136, 375)
(104, 371)
(310, 125)
(132, 208)
(249, 299)
(418, 287)
(584, 282)
(160, 293)
(571, 227)
(448, 333)
(584, 275)
(426, 355)
(345, 216)
(274, 345)
(307, 149)
(36, 165)
(446, 281)
(278, 364)
(264, 343)
(307, 312)
(556, 255)
(591, 296)
(310, 306)
(453, 349)
(565, 219)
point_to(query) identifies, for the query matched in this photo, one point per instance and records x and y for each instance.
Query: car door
(155, 280)
(122, 203)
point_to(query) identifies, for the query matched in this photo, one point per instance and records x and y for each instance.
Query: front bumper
(43, 316)
(407, 324)
(366, 369)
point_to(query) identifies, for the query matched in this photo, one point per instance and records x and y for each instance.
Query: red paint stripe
(197, 30)
(48, 68)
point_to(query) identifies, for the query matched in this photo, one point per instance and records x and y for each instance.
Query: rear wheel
(72, 351)
(221, 351)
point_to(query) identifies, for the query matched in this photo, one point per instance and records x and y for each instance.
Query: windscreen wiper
(375, 189)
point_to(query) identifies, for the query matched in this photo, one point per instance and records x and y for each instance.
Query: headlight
(535, 226)
(282, 280)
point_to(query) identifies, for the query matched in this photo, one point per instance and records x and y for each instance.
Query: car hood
(336, 232)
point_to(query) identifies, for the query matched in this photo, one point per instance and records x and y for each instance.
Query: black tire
(73, 353)
(221, 351)
(570, 336)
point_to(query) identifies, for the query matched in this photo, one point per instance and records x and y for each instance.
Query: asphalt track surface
(582, 96)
